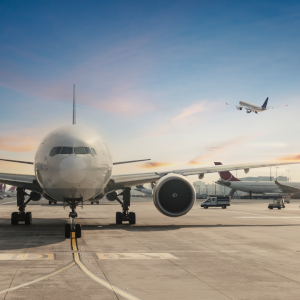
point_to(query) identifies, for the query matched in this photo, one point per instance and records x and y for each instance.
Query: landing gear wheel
(92, 202)
(279, 207)
(55, 203)
(119, 218)
(67, 231)
(131, 217)
(50, 202)
(224, 207)
(78, 231)
(14, 218)
(28, 218)
(205, 207)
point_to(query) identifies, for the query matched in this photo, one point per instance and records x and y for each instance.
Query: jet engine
(111, 196)
(173, 195)
(34, 196)
(239, 107)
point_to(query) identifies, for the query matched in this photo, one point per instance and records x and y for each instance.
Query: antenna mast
(74, 106)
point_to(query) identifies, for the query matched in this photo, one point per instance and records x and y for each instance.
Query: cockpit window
(88, 150)
(52, 151)
(79, 150)
(57, 150)
(94, 151)
(67, 150)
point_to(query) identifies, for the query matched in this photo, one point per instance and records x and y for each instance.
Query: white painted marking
(26, 256)
(8, 202)
(267, 217)
(135, 256)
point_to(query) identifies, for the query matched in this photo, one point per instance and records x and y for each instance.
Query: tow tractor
(278, 203)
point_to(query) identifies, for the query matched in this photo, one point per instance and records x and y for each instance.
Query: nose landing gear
(125, 215)
(72, 227)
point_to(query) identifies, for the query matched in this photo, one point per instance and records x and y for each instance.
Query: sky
(153, 79)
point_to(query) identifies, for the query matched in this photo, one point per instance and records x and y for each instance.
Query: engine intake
(173, 195)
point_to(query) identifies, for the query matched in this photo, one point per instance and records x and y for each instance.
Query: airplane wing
(128, 180)
(28, 182)
(287, 188)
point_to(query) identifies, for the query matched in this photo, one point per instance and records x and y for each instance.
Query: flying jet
(142, 189)
(256, 187)
(73, 165)
(250, 107)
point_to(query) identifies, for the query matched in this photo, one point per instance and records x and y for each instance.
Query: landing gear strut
(21, 216)
(125, 215)
(72, 227)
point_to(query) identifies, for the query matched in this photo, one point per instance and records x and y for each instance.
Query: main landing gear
(21, 216)
(125, 215)
(72, 227)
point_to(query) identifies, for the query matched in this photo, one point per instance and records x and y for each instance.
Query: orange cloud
(211, 151)
(294, 157)
(154, 165)
(13, 143)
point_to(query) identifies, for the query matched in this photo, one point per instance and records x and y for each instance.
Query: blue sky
(153, 77)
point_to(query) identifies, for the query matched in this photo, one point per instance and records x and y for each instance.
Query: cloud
(190, 111)
(213, 150)
(290, 158)
(155, 165)
(13, 143)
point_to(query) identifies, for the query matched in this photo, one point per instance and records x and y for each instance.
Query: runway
(243, 252)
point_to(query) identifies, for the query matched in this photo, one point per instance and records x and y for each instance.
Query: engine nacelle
(111, 196)
(173, 195)
(239, 107)
(34, 196)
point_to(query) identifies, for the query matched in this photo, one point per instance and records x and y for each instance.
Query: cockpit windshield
(71, 150)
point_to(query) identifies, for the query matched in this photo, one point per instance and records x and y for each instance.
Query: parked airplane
(256, 187)
(12, 192)
(143, 190)
(2, 191)
(73, 164)
(250, 107)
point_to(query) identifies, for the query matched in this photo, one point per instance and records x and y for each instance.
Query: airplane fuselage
(73, 162)
(258, 187)
(252, 107)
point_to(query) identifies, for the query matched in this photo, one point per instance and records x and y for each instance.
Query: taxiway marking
(8, 202)
(38, 279)
(26, 256)
(103, 282)
(135, 256)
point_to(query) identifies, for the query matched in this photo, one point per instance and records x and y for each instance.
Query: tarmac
(243, 252)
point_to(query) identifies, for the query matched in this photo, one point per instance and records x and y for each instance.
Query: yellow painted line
(73, 241)
(26, 256)
(135, 256)
(38, 279)
(96, 278)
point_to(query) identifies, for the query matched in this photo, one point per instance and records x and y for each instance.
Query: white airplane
(250, 107)
(12, 192)
(142, 189)
(256, 187)
(73, 165)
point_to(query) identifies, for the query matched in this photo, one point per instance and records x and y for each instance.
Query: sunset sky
(153, 78)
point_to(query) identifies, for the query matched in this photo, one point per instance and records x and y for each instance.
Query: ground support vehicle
(97, 202)
(278, 203)
(216, 201)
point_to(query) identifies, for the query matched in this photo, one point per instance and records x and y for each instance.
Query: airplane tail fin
(226, 175)
(12, 189)
(265, 103)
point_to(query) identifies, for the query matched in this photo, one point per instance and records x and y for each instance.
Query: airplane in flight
(250, 107)
(73, 165)
(142, 189)
(256, 187)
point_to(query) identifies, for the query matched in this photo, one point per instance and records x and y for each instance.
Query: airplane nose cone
(72, 169)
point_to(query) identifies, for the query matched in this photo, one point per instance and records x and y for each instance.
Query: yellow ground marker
(38, 279)
(96, 278)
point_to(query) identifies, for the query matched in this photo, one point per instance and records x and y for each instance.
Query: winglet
(265, 103)
(74, 106)
(226, 175)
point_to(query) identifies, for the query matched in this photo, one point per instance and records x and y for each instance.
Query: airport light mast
(276, 172)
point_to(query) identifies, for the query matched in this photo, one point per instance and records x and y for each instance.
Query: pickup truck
(216, 201)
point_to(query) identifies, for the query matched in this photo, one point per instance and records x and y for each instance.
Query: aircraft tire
(28, 218)
(14, 218)
(78, 231)
(205, 207)
(131, 218)
(119, 218)
(67, 231)
(92, 203)
(279, 207)
(50, 202)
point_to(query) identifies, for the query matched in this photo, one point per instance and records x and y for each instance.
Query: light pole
(276, 172)
(270, 174)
